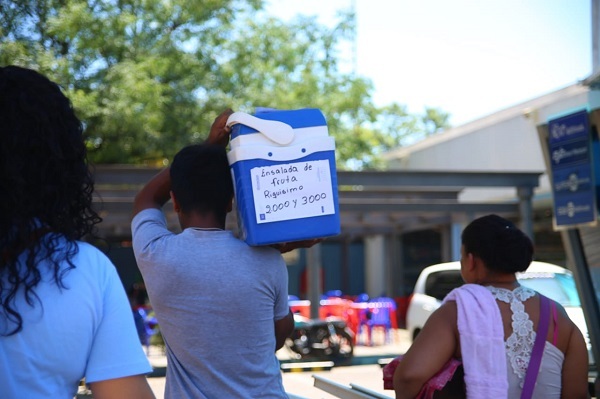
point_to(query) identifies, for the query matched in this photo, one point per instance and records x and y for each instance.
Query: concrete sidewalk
(364, 371)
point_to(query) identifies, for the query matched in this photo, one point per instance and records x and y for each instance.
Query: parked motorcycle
(321, 339)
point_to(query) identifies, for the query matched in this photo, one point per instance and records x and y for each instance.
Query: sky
(469, 58)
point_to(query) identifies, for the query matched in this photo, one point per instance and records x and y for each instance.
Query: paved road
(300, 384)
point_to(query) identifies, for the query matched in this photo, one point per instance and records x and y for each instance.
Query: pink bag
(447, 383)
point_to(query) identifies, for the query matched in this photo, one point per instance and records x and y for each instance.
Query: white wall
(504, 141)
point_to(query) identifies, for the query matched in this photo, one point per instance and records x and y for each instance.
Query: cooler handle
(276, 131)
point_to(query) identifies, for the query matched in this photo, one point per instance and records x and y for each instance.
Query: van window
(439, 284)
(558, 286)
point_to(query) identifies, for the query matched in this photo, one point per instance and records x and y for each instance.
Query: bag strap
(555, 320)
(538, 349)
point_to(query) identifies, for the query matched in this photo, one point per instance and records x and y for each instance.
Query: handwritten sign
(292, 191)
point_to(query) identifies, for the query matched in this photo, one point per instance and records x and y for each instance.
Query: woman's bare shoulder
(445, 314)
(564, 327)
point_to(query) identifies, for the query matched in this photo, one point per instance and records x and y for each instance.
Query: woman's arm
(434, 346)
(575, 367)
(132, 387)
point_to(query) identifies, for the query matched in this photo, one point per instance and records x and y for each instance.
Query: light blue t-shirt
(84, 330)
(216, 300)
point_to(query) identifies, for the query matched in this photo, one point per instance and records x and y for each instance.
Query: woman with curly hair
(64, 314)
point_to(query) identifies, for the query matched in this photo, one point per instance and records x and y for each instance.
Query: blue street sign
(573, 186)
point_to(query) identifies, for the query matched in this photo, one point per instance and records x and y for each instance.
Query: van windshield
(557, 286)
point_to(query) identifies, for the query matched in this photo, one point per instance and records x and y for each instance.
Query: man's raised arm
(157, 191)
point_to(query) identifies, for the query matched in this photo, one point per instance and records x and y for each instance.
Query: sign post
(567, 147)
(572, 176)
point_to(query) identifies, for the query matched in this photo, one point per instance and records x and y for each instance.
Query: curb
(299, 367)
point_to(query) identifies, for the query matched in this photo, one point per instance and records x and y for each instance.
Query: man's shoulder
(149, 221)
(265, 254)
(148, 214)
(262, 250)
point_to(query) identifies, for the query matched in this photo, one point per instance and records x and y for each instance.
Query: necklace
(207, 229)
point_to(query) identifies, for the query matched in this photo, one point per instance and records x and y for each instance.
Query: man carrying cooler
(221, 304)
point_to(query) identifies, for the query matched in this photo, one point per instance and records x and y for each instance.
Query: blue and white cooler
(283, 167)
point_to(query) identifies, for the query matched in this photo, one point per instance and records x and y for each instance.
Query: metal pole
(581, 273)
(525, 195)
(313, 260)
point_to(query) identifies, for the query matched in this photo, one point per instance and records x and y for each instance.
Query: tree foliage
(149, 76)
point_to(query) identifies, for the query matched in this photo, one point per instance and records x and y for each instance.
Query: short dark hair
(201, 180)
(45, 182)
(499, 243)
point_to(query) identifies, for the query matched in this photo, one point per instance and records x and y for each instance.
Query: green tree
(149, 76)
(435, 120)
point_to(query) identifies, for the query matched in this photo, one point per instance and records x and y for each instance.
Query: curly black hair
(46, 187)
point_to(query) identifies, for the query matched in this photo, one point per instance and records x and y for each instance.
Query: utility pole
(595, 36)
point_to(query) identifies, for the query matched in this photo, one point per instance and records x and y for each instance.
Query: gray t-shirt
(216, 300)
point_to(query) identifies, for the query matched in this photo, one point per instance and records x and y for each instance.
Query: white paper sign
(292, 191)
